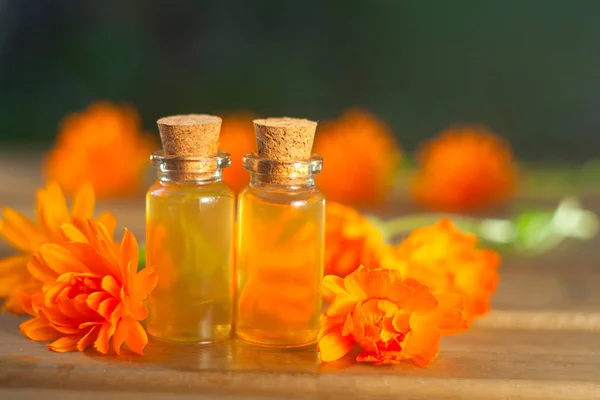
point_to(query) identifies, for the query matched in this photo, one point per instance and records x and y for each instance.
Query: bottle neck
(279, 175)
(190, 178)
(281, 183)
(190, 169)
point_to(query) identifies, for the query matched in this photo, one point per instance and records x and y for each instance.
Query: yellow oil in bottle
(189, 239)
(279, 267)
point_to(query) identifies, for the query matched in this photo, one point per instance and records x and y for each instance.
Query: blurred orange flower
(237, 138)
(102, 145)
(361, 157)
(297, 301)
(390, 318)
(26, 236)
(445, 259)
(92, 291)
(464, 169)
(350, 240)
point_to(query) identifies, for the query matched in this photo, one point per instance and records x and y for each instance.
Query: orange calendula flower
(92, 291)
(464, 169)
(361, 158)
(350, 240)
(102, 145)
(237, 138)
(26, 236)
(390, 318)
(445, 259)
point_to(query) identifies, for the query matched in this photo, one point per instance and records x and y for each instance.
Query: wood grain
(480, 364)
(541, 342)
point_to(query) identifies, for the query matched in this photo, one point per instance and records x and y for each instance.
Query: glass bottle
(189, 240)
(280, 250)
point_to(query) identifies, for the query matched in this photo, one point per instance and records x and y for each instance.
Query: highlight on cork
(284, 139)
(190, 134)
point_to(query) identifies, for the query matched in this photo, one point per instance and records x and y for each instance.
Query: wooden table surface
(541, 341)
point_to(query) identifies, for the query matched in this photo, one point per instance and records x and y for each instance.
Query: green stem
(532, 231)
(401, 226)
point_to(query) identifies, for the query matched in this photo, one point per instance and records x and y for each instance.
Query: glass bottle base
(223, 332)
(284, 339)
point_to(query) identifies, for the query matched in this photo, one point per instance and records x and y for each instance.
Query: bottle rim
(294, 168)
(172, 163)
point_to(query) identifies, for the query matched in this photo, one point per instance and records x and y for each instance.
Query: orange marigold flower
(464, 169)
(26, 236)
(390, 318)
(102, 145)
(92, 293)
(350, 240)
(445, 259)
(237, 138)
(361, 157)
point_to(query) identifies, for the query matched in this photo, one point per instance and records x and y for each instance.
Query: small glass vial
(189, 234)
(281, 228)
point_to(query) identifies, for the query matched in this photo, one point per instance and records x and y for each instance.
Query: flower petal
(88, 339)
(144, 283)
(109, 221)
(95, 299)
(60, 322)
(136, 336)
(365, 356)
(120, 335)
(401, 322)
(421, 301)
(39, 329)
(12, 282)
(102, 342)
(66, 343)
(20, 232)
(13, 264)
(73, 234)
(387, 307)
(40, 271)
(52, 208)
(83, 202)
(67, 307)
(378, 281)
(86, 313)
(138, 310)
(86, 254)
(342, 305)
(129, 254)
(101, 233)
(388, 332)
(37, 302)
(60, 259)
(107, 309)
(334, 346)
(111, 286)
(52, 291)
(422, 346)
(329, 324)
(449, 314)
(103, 243)
(331, 286)
(355, 283)
(398, 292)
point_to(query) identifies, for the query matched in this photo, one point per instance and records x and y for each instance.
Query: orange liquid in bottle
(279, 266)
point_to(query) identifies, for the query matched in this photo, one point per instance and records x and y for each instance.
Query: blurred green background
(528, 69)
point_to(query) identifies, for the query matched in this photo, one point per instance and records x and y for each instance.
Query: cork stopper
(190, 135)
(284, 139)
